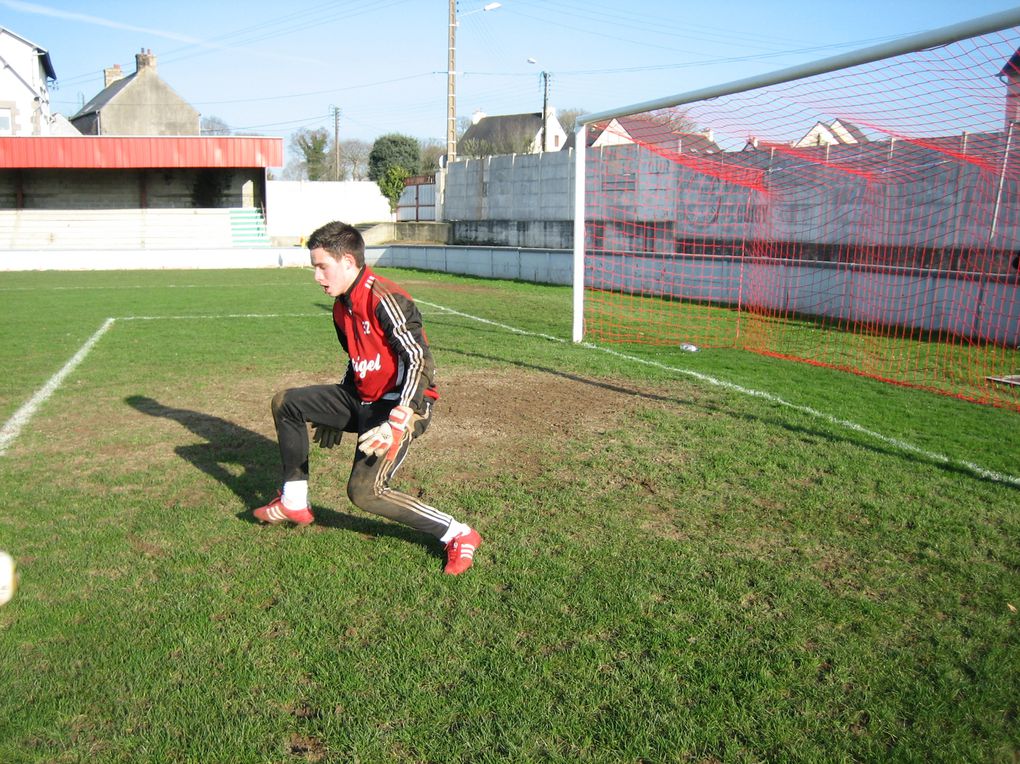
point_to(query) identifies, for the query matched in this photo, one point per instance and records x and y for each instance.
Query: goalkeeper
(386, 398)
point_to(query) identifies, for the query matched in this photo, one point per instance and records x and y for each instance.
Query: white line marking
(12, 428)
(513, 329)
(136, 286)
(228, 315)
(14, 425)
(976, 469)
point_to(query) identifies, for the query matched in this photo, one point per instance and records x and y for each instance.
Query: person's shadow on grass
(247, 463)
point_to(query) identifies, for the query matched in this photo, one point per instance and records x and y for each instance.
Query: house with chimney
(135, 174)
(26, 72)
(512, 134)
(137, 104)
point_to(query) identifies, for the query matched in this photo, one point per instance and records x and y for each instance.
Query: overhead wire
(497, 90)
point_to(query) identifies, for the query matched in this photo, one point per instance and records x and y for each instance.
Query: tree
(312, 146)
(391, 184)
(214, 126)
(568, 118)
(354, 159)
(675, 118)
(294, 170)
(393, 150)
(431, 151)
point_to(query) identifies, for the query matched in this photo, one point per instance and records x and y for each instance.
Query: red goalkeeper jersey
(380, 328)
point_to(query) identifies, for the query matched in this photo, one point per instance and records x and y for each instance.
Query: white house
(512, 134)
(649, 131)
(838, 132)
(24, 86)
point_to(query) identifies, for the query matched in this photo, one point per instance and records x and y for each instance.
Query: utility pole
(545, 111)
(545, 106)
(451, 89)
(336, 142)
(451, 78)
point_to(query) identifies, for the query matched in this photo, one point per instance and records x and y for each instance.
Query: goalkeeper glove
(386, 438)
(326, 435)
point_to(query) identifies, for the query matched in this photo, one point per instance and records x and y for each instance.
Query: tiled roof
(501, 128)
(104, 97)
(650, 132)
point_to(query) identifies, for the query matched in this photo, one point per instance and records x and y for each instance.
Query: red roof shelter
(95, 152)
(141, 172)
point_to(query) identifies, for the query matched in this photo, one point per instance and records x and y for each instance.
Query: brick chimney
(145, 60)
(111, 75)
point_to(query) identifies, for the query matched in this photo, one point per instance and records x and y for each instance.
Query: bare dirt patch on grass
(502, 423)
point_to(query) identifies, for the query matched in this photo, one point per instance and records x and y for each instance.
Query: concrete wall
(150, 259)
(130, 229)
(517, 187)
(295, 208)
(924, 300)
(897, 194)
(409, 233)
(540, 234)
(541, 266)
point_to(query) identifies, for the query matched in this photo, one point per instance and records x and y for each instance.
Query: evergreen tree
(394, 150)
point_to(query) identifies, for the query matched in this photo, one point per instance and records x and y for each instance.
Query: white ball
(8, 578)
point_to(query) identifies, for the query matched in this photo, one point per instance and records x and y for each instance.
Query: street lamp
(451, 81)
(545, 105)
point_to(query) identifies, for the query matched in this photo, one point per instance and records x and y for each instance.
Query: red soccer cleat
(275, 513)
(460, 552)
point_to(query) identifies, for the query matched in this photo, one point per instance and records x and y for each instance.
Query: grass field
(707, 557)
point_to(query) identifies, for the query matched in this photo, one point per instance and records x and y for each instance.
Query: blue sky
(271, 68)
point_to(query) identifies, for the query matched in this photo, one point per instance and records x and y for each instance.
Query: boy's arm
(401, 321)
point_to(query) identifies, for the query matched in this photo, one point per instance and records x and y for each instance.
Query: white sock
(295, 494)
(455, 529)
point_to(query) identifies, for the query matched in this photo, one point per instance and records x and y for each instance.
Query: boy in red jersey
(385, 397)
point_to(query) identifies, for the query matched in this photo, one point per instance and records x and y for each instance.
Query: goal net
(862, 214)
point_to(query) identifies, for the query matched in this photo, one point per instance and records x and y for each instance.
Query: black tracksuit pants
(368, 487)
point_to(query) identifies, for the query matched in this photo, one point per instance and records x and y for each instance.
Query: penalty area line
(209, 317)
(902, 445)
(12, 428)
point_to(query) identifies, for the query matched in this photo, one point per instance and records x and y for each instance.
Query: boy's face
(334, 275)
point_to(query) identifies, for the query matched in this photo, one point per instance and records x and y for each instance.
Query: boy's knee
(361, 491)
(278, 401)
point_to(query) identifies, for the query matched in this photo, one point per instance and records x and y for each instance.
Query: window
(6, 123)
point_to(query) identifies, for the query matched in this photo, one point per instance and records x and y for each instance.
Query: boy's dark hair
(339, 239)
